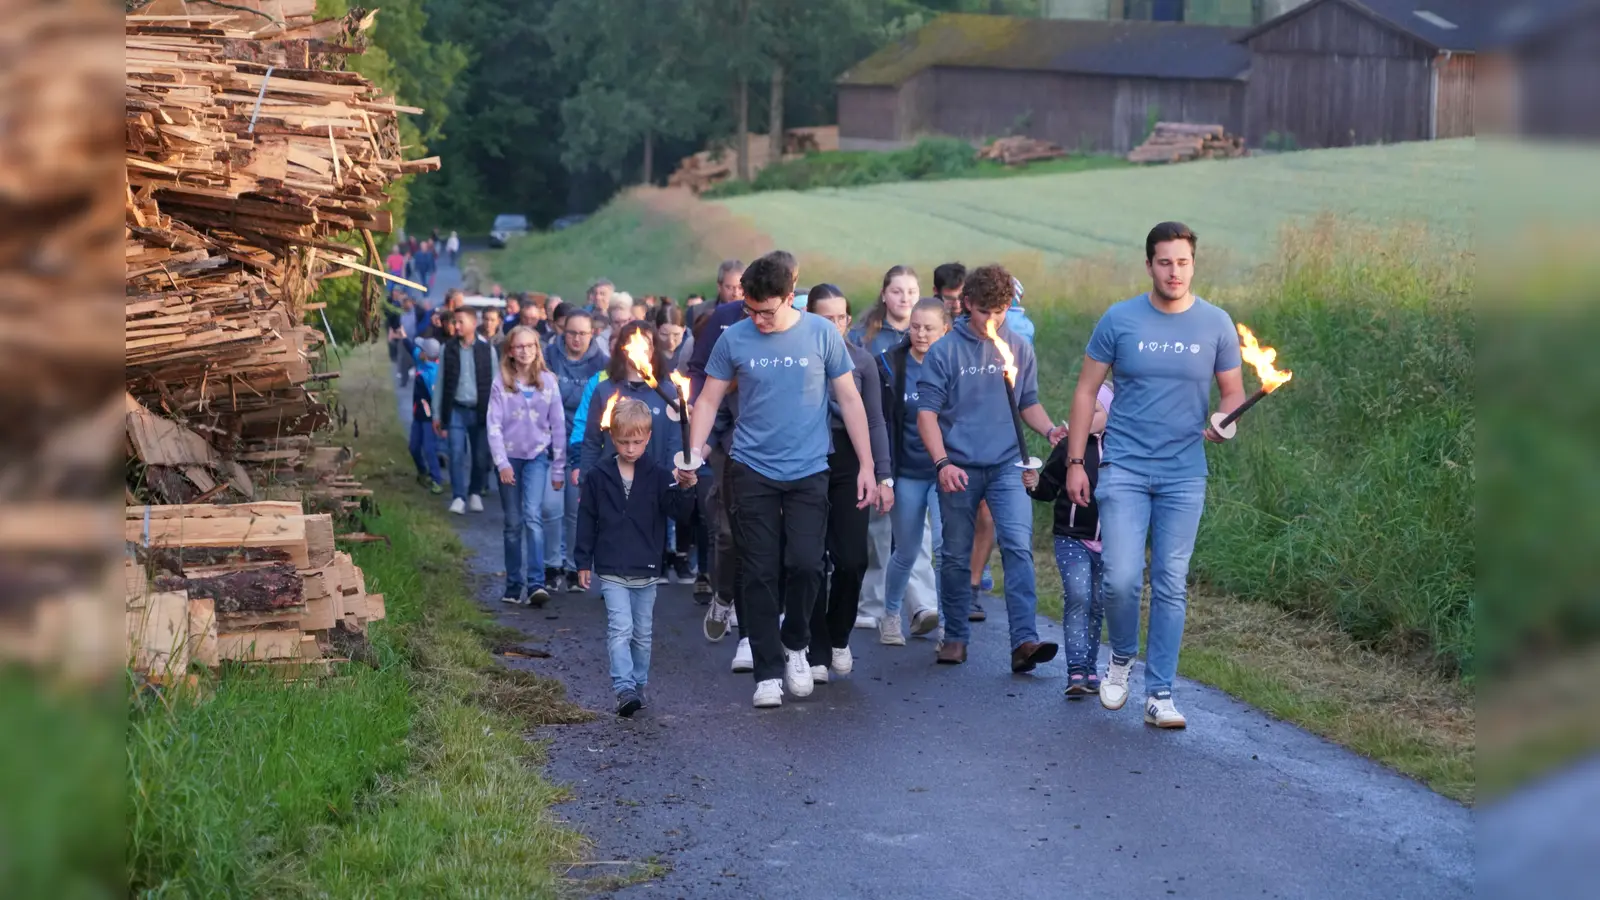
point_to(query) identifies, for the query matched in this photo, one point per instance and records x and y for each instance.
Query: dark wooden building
(1541, 67)
(1335, 73)
(1086, 85)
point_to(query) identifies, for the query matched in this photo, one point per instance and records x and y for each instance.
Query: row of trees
(547, 107)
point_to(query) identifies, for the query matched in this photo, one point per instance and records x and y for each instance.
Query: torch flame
(605, 418)
(682, 384)
(1006, 356)
(1261, 358)
(640, 351)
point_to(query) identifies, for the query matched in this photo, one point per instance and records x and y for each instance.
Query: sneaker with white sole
(842, 661)
(796, 673)
(889, 631)
(769, 693)
(866, 622)
(743, 661)
(475, 503)
(1114, 689)
(819, 674)
(733, 616)
(719, 615)
(458, 506)
(925, 621)
(1159, 711)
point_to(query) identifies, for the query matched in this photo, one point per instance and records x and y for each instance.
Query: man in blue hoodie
(964, 420)
(576, 358)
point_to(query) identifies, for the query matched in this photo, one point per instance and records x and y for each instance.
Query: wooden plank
(217, 510)
(203, 631)
(286, 534)
(158, 633)
(259, 645)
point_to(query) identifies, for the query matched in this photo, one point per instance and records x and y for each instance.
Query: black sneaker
(1077, 686)
(512, 596)
(702, 590)
(573, 587)
(644, 702)
(555, 580)
(628, 702)
(538, 598)
(680, 569)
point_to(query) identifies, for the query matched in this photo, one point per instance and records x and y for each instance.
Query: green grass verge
(407, 778)
(930, 159)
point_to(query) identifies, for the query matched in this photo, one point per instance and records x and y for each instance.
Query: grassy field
(406, 775)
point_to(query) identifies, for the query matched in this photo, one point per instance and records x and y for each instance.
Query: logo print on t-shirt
(1194, 348)
(788, 361)
(805, 361)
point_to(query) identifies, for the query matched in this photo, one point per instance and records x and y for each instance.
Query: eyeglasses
(579, 333)
(767, 314)
(516, 347)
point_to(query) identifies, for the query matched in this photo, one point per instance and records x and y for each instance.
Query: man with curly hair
(964, 420)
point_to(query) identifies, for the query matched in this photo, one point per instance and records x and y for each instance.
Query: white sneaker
(843, 662)
(742, 660)
(924, 621)
(475, 503)
(1160, 712)
(769, 693)
(733, 616)
(819, 674)
(796, 673)
(866, 622)
(1114, 687)
(719, 614)
(458, 506)
(889, 631)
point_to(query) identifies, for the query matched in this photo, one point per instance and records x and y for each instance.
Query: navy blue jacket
(634, 524)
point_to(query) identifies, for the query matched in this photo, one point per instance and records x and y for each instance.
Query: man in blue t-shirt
(1165, 347)
(785, 361)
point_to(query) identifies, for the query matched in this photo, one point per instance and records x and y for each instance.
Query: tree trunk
(742, 139)
(775, 114)
(649, 158)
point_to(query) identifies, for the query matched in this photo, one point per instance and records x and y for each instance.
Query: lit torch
(640, 351)
(1261, 359)
(686, 459)
(1009, 361)
(605, 418)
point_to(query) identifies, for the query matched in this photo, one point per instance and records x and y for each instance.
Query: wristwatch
(887, 482)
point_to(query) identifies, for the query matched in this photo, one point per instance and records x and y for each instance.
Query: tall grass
(1348, 494)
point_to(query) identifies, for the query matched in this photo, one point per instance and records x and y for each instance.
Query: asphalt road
(912, 780)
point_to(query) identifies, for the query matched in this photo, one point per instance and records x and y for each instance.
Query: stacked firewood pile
(1019, 150)
(1172, 142)
(250, 582)
(257, 164)
(717, 164)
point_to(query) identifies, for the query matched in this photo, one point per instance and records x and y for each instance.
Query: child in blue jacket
(424, 443)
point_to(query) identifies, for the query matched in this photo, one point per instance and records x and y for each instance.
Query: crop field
(1236, 205)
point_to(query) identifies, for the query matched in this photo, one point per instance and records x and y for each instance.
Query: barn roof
(1089, 47)
(1454, 25)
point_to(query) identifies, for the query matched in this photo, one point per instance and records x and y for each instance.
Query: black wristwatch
(1077, 460)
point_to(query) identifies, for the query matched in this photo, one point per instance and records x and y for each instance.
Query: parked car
(507, 227)
(568, 221)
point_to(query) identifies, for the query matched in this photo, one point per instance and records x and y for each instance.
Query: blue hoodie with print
(963, 380)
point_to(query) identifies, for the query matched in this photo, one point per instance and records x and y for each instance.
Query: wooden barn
(1334, 73)
(1086, 85)
(1541, 62)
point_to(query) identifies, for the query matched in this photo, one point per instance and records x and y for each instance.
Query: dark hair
(770, 277)
(934, 304)
(617, 366)
(667, 314)
(1168, 231)
(468, 310)
(826, 291)
(872, 322)
(988, 288)
(950, 275)
(562, 311)
(700, 297)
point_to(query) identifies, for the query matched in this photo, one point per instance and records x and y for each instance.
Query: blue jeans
(469, 454)
(569, 517)
(425, 449)
(1008, 501)
(523, 504)
(628, 615)
(553, 511)
(1082, 607)
(1167, 511)
(914, 499)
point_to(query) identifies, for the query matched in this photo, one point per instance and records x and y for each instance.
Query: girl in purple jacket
(528, 441)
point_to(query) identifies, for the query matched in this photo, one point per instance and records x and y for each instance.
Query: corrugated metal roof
(1090, 47)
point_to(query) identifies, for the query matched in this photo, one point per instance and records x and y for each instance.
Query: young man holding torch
(972, 429)
(1166, 347)
(786, 363)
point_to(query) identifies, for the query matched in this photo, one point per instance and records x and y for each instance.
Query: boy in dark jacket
(424, 443)
(628, 498)
(1077, 534)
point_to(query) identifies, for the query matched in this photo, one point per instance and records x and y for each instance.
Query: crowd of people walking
(842, 472)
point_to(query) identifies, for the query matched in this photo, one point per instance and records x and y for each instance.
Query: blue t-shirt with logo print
(914, 459)
(1163, 365)
(782, 430)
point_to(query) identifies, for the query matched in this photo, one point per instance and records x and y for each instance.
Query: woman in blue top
(666, 437)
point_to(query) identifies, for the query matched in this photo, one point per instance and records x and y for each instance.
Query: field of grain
(1237, 206)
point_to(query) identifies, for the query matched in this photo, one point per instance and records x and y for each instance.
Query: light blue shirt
(782, 430)
(1163, 364)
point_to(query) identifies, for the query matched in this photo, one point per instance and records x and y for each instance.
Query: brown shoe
(951, 653)
(975, 613)
(1030, 654)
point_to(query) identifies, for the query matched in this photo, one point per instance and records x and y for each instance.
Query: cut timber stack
(1172, 142)
(249, 150)
(1018, 150)
(251, 582)
(717, 164)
